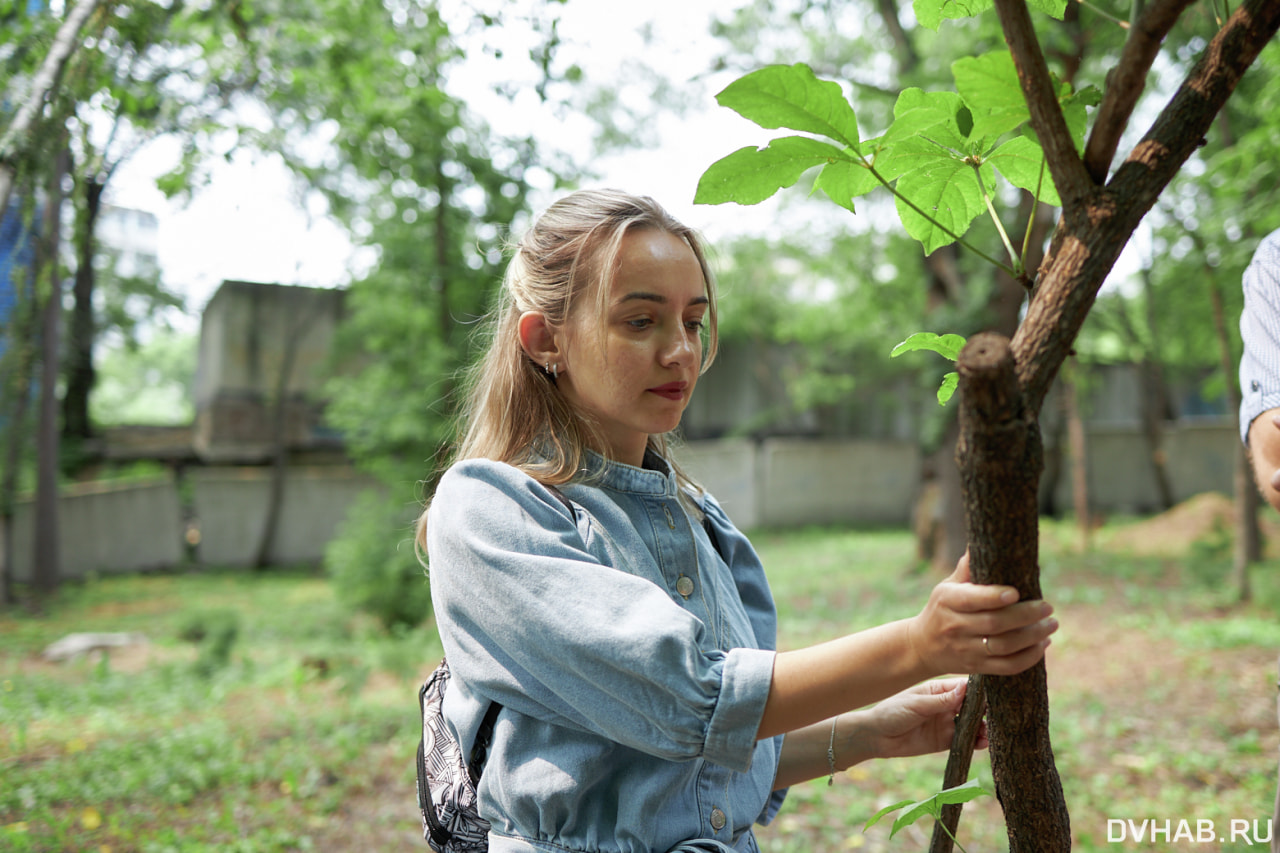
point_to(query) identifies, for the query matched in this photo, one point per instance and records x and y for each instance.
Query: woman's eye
(694, 325)
(640, 323)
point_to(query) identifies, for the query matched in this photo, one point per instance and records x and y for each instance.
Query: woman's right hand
(969, 627)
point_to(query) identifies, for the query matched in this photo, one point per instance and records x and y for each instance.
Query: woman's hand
(917, 721)
(968, 627)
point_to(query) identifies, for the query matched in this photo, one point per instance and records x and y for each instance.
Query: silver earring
(555, 371)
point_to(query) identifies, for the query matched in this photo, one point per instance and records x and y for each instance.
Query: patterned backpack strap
(451, 821)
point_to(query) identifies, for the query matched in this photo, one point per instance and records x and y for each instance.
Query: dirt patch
(1198, 519)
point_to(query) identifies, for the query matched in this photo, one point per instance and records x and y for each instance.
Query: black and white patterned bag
(446, 784)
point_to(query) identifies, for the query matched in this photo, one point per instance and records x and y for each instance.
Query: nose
(683, 349)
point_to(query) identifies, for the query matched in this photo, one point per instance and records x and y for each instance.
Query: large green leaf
(933, 115)
(970, 790)
(989, 86)
(947, 346)
(931, 13)
(845, 180)
(1021, 161)
(750, 175)
(791, 96)
(946, 191)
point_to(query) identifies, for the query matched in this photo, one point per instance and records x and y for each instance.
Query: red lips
(672, 390)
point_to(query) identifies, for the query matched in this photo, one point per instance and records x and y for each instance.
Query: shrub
(373, 564)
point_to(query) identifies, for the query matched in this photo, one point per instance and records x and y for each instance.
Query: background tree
(925, 158)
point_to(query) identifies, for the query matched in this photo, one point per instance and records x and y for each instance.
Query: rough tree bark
(1004, 384)
(46, 561)
(80, 374)
(1000, 458)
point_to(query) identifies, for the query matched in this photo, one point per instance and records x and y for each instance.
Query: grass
(262, 716)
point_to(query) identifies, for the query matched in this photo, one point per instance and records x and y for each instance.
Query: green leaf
(1053, 8)
(947, 346)
(791, 96)
(1021, 161)
(845, 180)
(934, 115)
(947, 389)
(884, 811)
(970, 790)
(1075, 113)
(989, 85)
(947, 193)
(931, 13)
(750, 175)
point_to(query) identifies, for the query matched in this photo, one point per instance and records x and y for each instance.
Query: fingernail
(1045, 608)
(1050, 624)
(1009, 596)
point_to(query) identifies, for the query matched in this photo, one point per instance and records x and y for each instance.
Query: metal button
(717, 820)
(684, 585)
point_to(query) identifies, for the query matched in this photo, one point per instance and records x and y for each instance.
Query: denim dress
(631, 661)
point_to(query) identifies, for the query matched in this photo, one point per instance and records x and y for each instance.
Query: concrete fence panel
(727, 469)
(821, 482)
(231, 510)
(107, 528)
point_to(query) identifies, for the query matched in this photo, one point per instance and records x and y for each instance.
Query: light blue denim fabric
(629, 710)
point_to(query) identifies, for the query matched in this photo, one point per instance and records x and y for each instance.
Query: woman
(628, 632)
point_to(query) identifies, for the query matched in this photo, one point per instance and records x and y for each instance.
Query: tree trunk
(1248, 538)
(80, 371)
(279, 439)
(22, 334)
(1000, 458)
(46, 559)
(1155, 401)
(42, 87)
(1079, 457)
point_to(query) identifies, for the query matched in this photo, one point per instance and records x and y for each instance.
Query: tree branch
(1126, 82)
(1094, 230)
(46, 79)
(1069, 176)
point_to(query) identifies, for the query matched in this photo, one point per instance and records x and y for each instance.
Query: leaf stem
(911, 204)
(1004, 237)
(942, 823)
(1031, 220)
(1104, 13)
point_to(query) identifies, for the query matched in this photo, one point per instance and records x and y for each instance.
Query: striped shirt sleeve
(1260, 329)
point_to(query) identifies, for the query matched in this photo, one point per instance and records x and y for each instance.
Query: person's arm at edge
(1264, 454)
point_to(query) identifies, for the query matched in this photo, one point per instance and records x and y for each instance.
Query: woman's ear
(539, 341)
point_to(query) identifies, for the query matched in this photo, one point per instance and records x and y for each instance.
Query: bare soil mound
(1203, 518)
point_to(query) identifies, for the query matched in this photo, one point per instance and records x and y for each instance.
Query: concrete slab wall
(119, 528)
(774, 483)
(789, 482)
(231, 510)
(1200, 457)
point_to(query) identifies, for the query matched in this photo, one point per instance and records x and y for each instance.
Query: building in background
(130, 238)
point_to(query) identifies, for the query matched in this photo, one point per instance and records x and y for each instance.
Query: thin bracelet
(831, 753)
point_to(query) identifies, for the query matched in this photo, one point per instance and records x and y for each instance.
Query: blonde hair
(513, 411)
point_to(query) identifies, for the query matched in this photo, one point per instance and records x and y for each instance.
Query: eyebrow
(659, 298)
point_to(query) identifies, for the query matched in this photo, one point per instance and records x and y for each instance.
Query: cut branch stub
(1000, 458)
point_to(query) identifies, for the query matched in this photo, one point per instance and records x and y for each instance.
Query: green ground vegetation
(262, 716)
